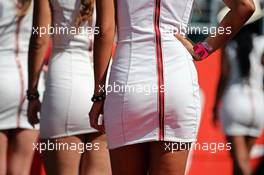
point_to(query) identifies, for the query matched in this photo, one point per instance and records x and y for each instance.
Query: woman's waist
(144, 37)
(68, 61)
(148, 49)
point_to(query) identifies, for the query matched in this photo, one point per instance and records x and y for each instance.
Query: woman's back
(15, 32)
(14, 35)
(65, 32)
(138, 20)
(70, 75)
(256, 69)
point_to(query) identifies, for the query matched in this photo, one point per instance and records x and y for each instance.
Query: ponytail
(85, 13)
(244, 47)
(23, 7)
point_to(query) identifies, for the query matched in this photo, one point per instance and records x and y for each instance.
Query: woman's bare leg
(130, 160)
(20, 151)
(62, 161)
(240, 155)
(164, 161)
(250, 142)
(3, 151)
(97, 160)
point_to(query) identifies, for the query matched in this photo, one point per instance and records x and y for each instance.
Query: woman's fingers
(33, 109)
(188, 45)
(183, 40)
(96, 117)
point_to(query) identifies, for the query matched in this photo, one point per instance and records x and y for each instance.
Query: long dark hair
(244, 47)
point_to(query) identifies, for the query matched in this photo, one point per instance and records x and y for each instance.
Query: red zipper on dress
(159, 69)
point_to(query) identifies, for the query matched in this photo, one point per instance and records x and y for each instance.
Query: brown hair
(22, 8)
(86, 12)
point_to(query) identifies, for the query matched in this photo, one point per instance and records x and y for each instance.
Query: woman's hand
(32, 112)
(95, 113)
(188, 45)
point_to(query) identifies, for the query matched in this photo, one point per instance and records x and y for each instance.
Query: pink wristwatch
(202, 49)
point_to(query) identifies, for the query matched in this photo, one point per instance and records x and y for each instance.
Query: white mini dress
(242, 111)
(153, 91)
(70, 82)
(14, 44)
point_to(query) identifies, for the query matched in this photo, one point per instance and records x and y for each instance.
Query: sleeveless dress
(14, 44)
(70, 82)
(242, 111)
(153, 91)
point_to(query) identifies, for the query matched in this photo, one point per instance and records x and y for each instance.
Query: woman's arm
(240, 12)
(102, 53)
(103, 41)
(37, 50)
(222, 83)
(38, 43)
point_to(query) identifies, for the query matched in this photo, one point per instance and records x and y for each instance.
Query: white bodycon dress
(14, 42)
(242, 112)
(153, 91)
(70, 82)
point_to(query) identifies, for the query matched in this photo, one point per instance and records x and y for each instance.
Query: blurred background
(203, 162)
(207, 162)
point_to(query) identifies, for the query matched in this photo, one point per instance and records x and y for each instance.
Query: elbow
(38, 43)
(250, 7)
(247, 7)
(108, 30)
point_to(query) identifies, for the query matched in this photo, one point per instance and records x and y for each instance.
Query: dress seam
(69, 99)
(194, 98)
(184, 11)
(124, 93)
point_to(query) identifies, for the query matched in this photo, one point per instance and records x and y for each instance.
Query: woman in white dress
(240, 94)
(16, 134)
(64, 113)
(155, 105)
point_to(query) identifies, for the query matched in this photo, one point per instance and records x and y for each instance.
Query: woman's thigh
(3, 151)
(130, 160)
(65, 157)
(96, 159)
(165, 161)
(20, 150)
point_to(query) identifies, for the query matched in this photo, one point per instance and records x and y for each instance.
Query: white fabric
(70, 83)
(242, 112)
(13, 66)
(132, 116)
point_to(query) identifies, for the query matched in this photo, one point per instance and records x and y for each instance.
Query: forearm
(223, 79)
(102, 55)
(220, 91)
(105, 13)
(37, 51)
(38, 42)
(240, 12)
